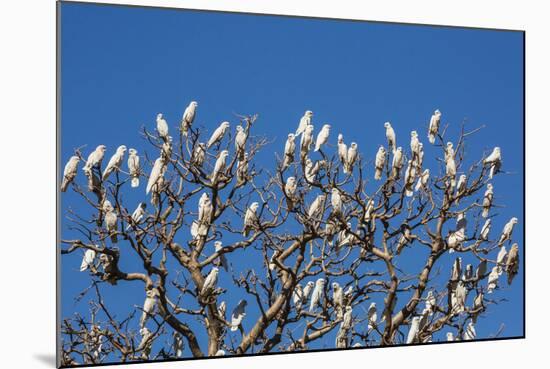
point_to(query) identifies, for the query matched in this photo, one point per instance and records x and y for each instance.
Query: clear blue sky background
(120, 66)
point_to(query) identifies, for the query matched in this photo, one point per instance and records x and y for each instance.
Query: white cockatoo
(507, 231)
(413, 330)
(336, 201)
(87, 260)
(484, 234)
(342, 150)
(218, 134)
(423, 179)
(501, 256)
(322, 137)
(290, 190)
(431, 302)
(222, 309)
(146, 343)
(433, 129)
(115, 162)
(460, 295)
(69, 173)
(397, 162)
(188, 117)
(306, 141)
(405, 238)
(351, 157)
(311, 169)
(461, 187)
(345, 237)
(308, 289)
(162, 127)
(133, 167)
(219, 167)
(304, 122)
(487, 200)
(338, 298)
(415, 145)
(455, 240)
(512, 263)
(456, 270)
(450, 336)
(177, 344)
(449, 151)
(492, 280)
(204, 214)
(390, 136)
(379, 162)
(317, 294)
(95, 158)
(210, 282)
(450, 170)
(166, 149)
(138, 214)
(372, 316)
(298, 296)
(250, 218)
(221, 259)
(199, 154)
(240, 142)
(347, 319)
(481, 269)
(238, 314)
(469, 332)
(290, 148)
(156, 173)
(410, 176)
(111, 224)
(494, 160)
(468, 273)
(148, 306)
(316, 208)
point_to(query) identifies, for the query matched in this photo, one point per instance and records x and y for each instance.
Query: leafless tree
(360, 248)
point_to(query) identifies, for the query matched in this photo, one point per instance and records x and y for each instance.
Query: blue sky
(120, 66)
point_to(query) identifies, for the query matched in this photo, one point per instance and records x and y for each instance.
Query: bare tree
(320, 239)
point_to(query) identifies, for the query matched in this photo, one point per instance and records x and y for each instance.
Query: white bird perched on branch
(148, 306)
(492, 281)
(351, 157)
(199, 154)
(69, 173)
(338, 299)
(87, 260)
(369, 208)
(156, 173)
(397, 162)
(188, 117)
(410, 176)
(95, 158)
(431, 302)
(318, 293)
(336, 201)
(379, 163)
(240, 142)
(218, 134)
(133, 167)
(449, 151)
(219, 167)
(507, 231)
(162, 127)
(413, 330)
(304, 122)
(461, 187)
(221, 309)
(138, 214)
(311, 170)
(460, 294)
(298, 296)
(146, 343)
(290, 191)
(423, 179)
(308, 289)
(115, 162)
(456, 271)
(250, 218)
(512, 263)
(316, 208)
(342, 150)
(322, 137)
(210, 282)
(348, 318)
(290, 148)
(484, 234)
(415, 146)
(221, 259)
(111, 224)
(305, 141)
(390, 136)
(487, 200)
(238, 314)
(500, 259)
(177, 344)
(470, 332)
(494, 160)
(372, 316)
(205, 214)
(450, 169)
(433, 129)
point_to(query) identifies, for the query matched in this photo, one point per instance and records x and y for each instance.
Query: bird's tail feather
(431, 138)
(485, 213)
(64, 185)
(135, 182)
